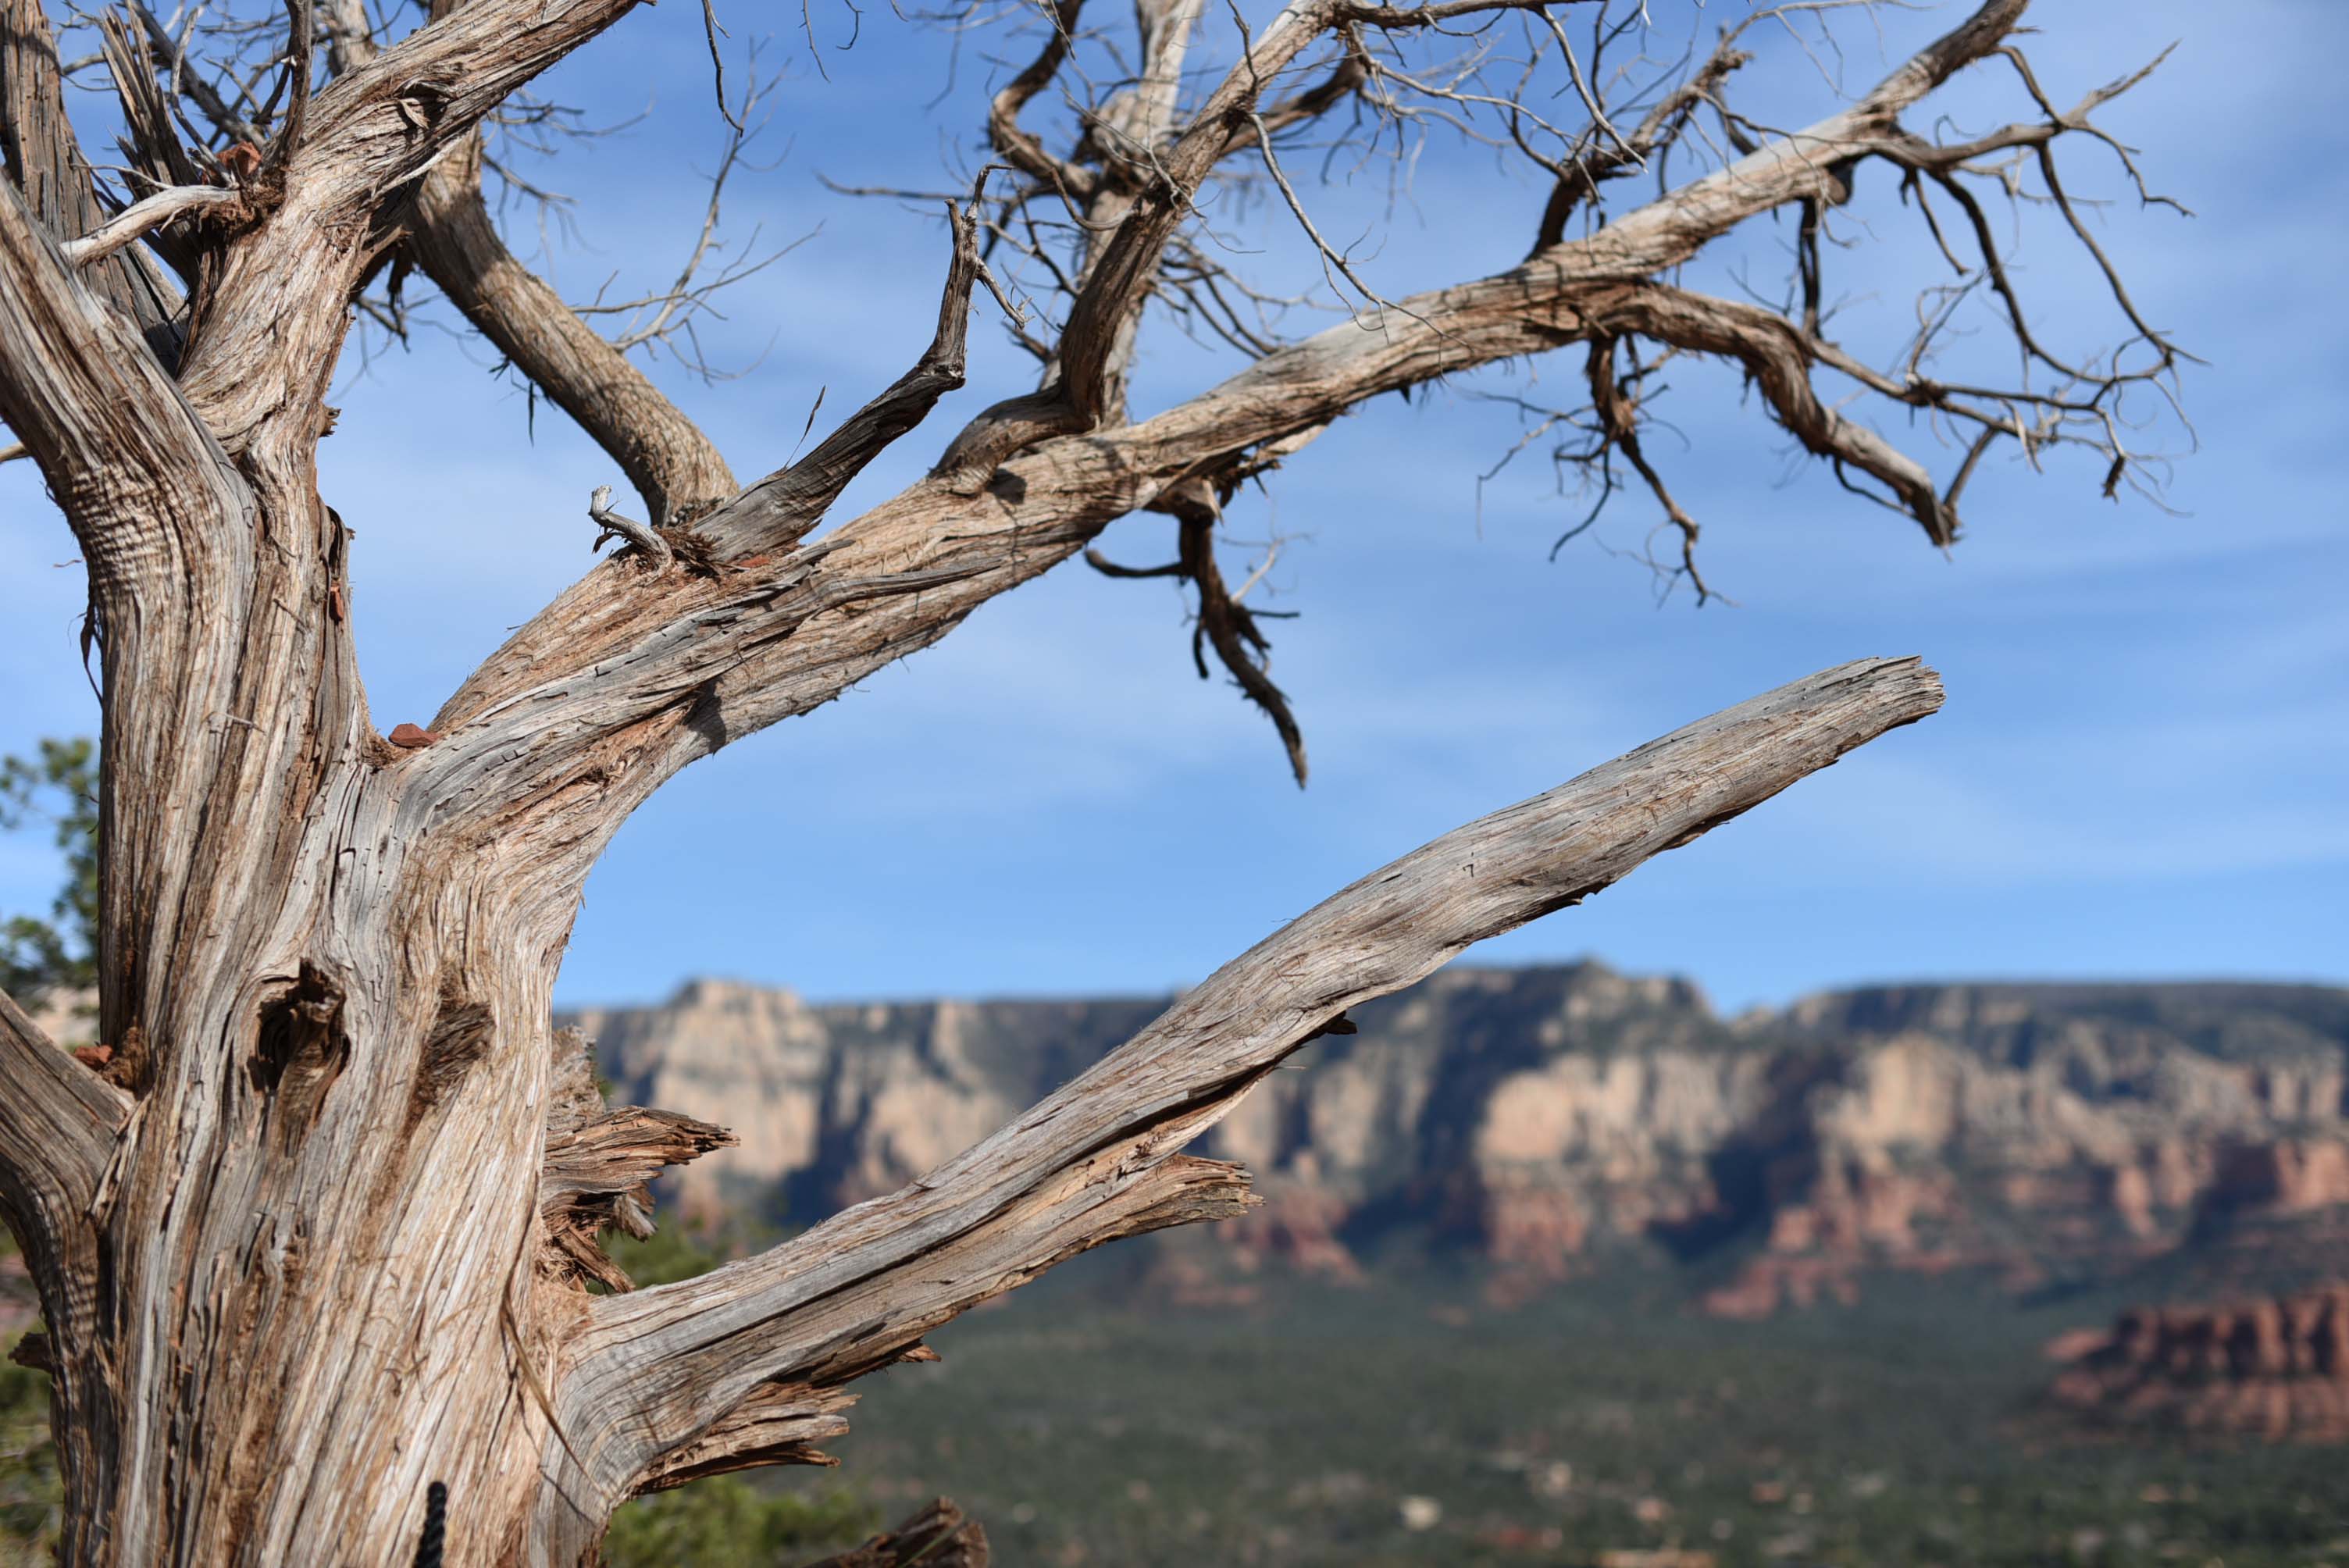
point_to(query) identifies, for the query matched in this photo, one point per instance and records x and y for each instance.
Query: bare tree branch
(113, 436)
(136, 222)
(664, 455)
(372, 131)
(673, 465)
(1085, 383)
(1101, 1158)
(780, 633)
(614, 525)
(1580, 176)
(1778, 356)
(785, 506)
(350, 34)
(1019, 147)
(47, 164)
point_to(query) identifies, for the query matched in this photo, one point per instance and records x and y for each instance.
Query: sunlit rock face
(1552, 1120)
(835, 1104)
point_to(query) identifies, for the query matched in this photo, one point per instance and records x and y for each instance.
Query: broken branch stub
(611, 524)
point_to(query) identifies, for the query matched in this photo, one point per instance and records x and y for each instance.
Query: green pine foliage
(58, 787)
(729, 1522)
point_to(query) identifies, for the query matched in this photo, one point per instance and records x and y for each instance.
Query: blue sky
(2141, 771)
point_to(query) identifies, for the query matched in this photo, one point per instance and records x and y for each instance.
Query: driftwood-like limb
(47, 164)
(614, 525)
(61, 1127)
(150, 133)
(1101, 1158)
(778, 1423)
(111, 432)
(189, 75)
(144, 217)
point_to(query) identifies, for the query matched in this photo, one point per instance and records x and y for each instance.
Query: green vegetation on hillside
(1602, 1416)
(29, 1465)
(729, 1522)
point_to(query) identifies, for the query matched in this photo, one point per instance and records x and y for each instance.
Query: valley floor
(1406, 1422)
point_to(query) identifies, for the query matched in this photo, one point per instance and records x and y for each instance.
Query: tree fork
(327, 1395)
(322, 1235)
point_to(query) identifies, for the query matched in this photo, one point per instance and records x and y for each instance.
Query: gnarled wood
(599, 1165)
(46, 163)
(324, 1234)
(59, 1124)
(675, 468)
(776, 1423)
(1102, 1156)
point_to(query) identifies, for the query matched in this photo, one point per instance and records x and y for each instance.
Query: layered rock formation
(1550, 1118)
(2276, 1367)
(837, 1104)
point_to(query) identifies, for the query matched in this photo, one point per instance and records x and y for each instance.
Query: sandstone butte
(2275, 1368)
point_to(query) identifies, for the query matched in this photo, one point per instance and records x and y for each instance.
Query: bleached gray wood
(1102, 1157)
(316, 1231)
(142, 218)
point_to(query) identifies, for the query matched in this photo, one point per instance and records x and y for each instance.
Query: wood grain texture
(325, 1231)
(776, 636)
(939, 1536)
(1102, 1156)
(46, 161)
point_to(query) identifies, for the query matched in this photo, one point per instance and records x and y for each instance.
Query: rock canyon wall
(1552, 1118)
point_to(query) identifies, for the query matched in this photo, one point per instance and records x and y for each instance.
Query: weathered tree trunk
(319, 1232)
(314, 1257)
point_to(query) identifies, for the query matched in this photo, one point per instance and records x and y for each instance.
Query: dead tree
(318, 1229)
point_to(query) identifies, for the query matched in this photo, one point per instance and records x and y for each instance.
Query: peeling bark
(599, 1165)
